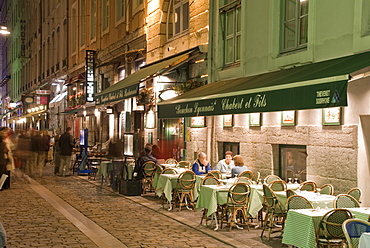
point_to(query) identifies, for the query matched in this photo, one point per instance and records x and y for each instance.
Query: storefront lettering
(130, 92)
(185, 110)
(323, 97)
(226, 105)
(260, 101)
(202, 109)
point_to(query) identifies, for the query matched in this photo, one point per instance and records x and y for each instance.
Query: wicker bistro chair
(235, 211)
(244, 180)
(330, 232)
(289, 193)
(308, 186)
(184, 189)
(215, 173)
(246, 173)
(148, 171)
(256, 177)
(169, 171)
(298, 202)
(270, 178)
(355, 193)
(278, 185)
(353, 228)
(184, 164)
(327, 189)
(345, 201)
(274, 211)
(171, 161)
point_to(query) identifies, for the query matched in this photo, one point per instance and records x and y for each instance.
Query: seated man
(239, 166)
(201, 165)
(145, 156)
(225, 165)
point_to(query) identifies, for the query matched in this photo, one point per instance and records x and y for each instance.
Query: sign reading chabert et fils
(304, 97)
(90, 75)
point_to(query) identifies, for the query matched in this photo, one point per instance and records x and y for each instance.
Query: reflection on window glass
(293, 163)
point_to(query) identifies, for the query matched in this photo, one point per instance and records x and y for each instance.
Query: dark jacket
(45, 143)
(66, 144)
(140, 162)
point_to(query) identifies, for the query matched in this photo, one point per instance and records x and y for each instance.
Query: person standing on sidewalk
(66, 145)
(56, 155)
(43, 153)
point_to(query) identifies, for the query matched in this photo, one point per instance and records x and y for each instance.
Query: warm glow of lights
(168, 94)
(199, 61)
(204, 75)
(111, 126)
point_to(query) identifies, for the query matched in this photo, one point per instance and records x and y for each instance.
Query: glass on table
(326, 206)
(296, 180)
(289, 180)
(317, 205)
(318, 190)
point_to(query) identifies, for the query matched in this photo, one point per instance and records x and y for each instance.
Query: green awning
(129, 86)
(71, 111)
(317, 85)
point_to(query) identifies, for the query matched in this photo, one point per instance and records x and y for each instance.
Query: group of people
(229, 165)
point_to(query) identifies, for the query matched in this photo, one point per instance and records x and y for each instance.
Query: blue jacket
(196, 168)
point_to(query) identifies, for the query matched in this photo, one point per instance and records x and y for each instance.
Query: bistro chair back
(308, 186)
(184, 189)
(298, 202)
(256, 177)
(236, 207)
(215, 173)
(330, 230)
(246, 173)
(270, 178)
(289, 193)
(169, 171)
(327, 189)
(210, 180)
(184, 164)
(353, 229)
(278, 185)
(158, 169)
(355, 193)
(345, 201)
(244, 180)
(274, 210)
(148, 170)
(171, 161)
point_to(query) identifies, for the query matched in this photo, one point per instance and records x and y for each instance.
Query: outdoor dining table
(364, 240)
(105, 167)
(301, 225)
(317, 200)
(167, 182)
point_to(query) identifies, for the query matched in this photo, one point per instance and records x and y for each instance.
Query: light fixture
(37, 108)
(4, 30)
(74, 88)
(41, 107)
(29, 110)
(168, 94)
(33, 109)
(109, 110)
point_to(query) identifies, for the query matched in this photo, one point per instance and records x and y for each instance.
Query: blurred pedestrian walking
(6, 155)
(35, 148)
(66, 144)
(56, 154)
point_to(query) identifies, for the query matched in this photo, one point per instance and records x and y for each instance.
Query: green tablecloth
(104, 168)
(167, 182)
(301, 225)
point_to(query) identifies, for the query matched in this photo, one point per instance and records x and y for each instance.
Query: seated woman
(239, 166)
(201, 165)
(225, 165)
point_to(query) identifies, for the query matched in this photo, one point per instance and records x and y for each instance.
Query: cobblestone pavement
(31, 221)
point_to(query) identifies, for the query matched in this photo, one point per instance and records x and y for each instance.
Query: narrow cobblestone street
(90, 215)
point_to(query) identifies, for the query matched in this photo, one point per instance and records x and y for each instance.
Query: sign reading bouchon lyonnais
(304, 97)
(120, 94)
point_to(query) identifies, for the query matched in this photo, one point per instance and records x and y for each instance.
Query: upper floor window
(83, 23)
(105, 15)
(178, 17)
(93, 19)
(230, 19)
(294, 25)
(120, 9)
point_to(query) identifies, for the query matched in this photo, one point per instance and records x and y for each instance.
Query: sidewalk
(33, 217)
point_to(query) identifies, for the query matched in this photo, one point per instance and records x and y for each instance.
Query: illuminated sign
(90, 75)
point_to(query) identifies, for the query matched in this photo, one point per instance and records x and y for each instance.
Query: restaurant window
(73, 31)
(223, 147)
(121, 71)
(294, 25)
(178, 21)
(230, 19)
(292, 166)
(83, 23)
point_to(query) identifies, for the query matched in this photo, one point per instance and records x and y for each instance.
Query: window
(105, 15)
(93, 19)
(120, 9)
(295, 25)
(178, 18)
(83, 23)
(223, 147)
(121, 73)
(292, 166)
(73, 31)
(230, 14)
